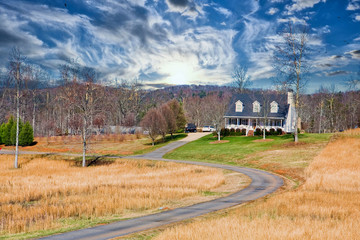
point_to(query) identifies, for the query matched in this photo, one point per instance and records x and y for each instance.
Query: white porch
(250, 124)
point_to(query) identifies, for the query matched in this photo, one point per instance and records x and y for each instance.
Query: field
(52, 198)
(326, 206)
(49, 194)
(111, 144)
(280, 155)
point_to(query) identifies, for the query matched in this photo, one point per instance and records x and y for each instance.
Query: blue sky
(166, 42)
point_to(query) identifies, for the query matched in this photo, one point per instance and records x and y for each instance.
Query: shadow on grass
(93, 161)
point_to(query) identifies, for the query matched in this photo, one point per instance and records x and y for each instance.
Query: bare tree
(215, 110)
(194, 112)
(265, 107)
(128, 100)
(16, 66)
(241, 80)
(33, 75)
(290, 61)
(154, 123)
(82, 94)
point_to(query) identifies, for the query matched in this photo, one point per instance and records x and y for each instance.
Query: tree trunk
(297, 105)
(17, 125)
(321, 112)
(296, 137)
(219, 135)
(84, 154)
(84, 144)
(33, 118)
(264, 133)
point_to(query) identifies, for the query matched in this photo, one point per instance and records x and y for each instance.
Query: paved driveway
(263, 183)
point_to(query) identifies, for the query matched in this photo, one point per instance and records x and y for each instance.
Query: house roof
(264, 99)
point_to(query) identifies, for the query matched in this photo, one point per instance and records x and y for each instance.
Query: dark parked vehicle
(190, 127)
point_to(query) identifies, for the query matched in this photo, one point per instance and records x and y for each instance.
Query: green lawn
(237, 147)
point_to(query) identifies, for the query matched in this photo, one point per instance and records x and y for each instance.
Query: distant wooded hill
(55, 111)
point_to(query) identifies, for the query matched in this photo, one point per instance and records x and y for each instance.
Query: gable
(274, 107)
(239, 106)
(256, 107)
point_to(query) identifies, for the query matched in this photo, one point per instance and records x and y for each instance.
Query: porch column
(237, 121)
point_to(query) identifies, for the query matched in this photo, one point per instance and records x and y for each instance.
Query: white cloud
(353, 5)
(272, 11)
(185, 7)
(299, 5)
(357, 17)
(276, 1)
(322, 30)
(355, 54)
(141, 45)
(292, 19)
(223, 11)
(259, 57)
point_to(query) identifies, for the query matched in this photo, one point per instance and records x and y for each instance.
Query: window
(256, 106)
(239, 106)
(274, 107)
(244, 122)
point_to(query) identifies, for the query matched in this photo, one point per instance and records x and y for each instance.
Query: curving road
(263, 183)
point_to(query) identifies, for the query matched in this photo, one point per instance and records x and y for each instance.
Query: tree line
(81, 104)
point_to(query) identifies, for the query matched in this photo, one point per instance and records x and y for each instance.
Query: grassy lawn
(238, 148)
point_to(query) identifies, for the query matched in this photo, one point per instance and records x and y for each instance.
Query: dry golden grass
(122, 144)
(43, 191)
(327, 206)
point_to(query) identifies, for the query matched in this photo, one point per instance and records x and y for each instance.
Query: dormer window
(274, 107)
(256, 106)
(239, 107)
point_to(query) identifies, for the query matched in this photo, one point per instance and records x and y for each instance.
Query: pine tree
(13, 132)
(26, 136)
(5, 135)
(2, 129)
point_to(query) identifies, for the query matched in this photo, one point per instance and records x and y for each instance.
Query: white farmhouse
(250, 111)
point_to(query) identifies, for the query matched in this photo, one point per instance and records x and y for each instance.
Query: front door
(254, 123)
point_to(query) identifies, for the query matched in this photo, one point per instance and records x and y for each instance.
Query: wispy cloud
(299, 5)
(224, 11)
(185, 7)
(335, 73)
(292, 19)
(123, 40)
(355, 54)
(357, 17)
(353, 5)
(272, 11)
